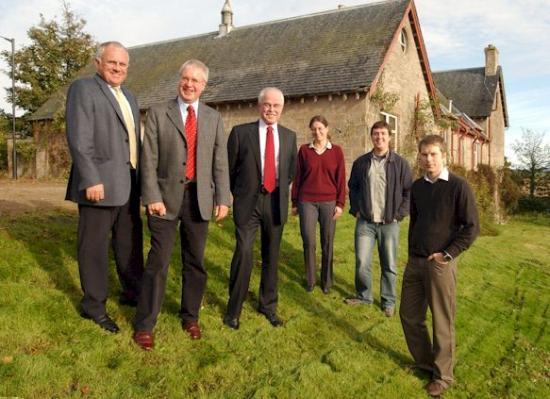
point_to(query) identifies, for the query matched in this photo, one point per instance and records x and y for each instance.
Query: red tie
(269, 161)
(191, 137)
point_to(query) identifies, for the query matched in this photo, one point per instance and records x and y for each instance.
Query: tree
(57, 51)
(533, 155)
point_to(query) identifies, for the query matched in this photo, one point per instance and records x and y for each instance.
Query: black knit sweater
(443, 217)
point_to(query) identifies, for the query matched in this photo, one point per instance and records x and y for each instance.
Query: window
(462, 152)
(403, 40)
(477, 154)
(392, 121)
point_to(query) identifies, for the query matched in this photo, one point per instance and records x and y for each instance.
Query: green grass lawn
(325, 350)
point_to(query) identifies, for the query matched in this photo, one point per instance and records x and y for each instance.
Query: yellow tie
(130, 126)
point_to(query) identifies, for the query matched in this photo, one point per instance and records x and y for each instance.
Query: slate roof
(329, 52)
(449, 108)
(472, 91)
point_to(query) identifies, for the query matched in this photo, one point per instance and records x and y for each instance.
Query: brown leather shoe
(193, 329)
(435, 389)
(144, 339)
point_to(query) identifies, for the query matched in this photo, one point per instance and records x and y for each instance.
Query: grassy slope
(326, 348)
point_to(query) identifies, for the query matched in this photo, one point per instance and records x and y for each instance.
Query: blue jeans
(387, 236)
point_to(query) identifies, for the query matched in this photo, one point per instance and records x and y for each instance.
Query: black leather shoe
(309, 288)
(231, 322)
(274, 320)
(104, 322)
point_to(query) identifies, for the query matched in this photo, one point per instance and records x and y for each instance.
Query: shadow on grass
(49, 237)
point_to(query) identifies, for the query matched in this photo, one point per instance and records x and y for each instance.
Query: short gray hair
(264, 91)
(196, 64)
(101, 48)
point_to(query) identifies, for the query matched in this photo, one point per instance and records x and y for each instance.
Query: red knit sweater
(320, 177)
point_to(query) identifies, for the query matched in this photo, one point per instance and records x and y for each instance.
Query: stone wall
(25, 167)
(345, 114)
(52, 154)
(497, 129)
(403, 75)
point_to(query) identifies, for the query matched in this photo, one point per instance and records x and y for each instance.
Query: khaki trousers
(429, 284)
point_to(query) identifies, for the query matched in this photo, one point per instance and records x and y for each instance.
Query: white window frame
(403, 40)
(392, 120)
(462, 152)
(477, 149)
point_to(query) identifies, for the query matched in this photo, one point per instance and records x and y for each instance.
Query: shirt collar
(328, 146)
(444, 175)
(183, 105)
(264, 125)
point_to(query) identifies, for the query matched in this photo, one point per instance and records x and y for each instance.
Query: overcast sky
(455, 32)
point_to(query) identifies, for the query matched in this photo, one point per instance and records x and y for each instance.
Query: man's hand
(95, 193)
(337, 213)
(156, 208)
(439, 257)
(294, 211)
(220, 212)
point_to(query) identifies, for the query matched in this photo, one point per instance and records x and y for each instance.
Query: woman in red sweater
(318, 195)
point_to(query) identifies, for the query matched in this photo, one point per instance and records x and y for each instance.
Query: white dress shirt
(444, 175)
(183, 111)
(263, 135)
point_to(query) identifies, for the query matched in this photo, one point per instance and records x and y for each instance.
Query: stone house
(354, 65)
(476, 99)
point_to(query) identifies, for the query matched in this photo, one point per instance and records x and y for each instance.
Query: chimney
(491, 60)
(227, 19)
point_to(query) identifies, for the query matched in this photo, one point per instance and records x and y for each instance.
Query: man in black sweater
(444, 223)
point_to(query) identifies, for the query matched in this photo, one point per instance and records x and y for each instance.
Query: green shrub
(483, 183)
(509, 190)
(534, 204)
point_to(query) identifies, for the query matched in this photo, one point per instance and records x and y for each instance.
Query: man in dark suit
(262, 158)
(102, 120)
(185, 179)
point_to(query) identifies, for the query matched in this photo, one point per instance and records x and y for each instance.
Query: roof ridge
(266, 23)
(315, 14)
(459, 70)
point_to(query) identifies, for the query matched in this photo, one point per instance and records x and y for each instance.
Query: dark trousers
(193, 232)
(310, 214)
(125, 227)
(427, 284)
(264, 216)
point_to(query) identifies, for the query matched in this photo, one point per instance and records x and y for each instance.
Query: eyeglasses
(268, 106)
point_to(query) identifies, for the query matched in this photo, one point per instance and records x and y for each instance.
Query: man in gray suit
(177, 188)
(102, 120)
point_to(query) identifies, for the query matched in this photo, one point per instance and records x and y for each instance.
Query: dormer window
(403, 40)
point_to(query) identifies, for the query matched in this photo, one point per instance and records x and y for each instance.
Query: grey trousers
(311, 213)
(193, 235)
(429, 284)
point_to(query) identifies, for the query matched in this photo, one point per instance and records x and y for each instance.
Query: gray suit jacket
(164, 155)
(98, 141)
